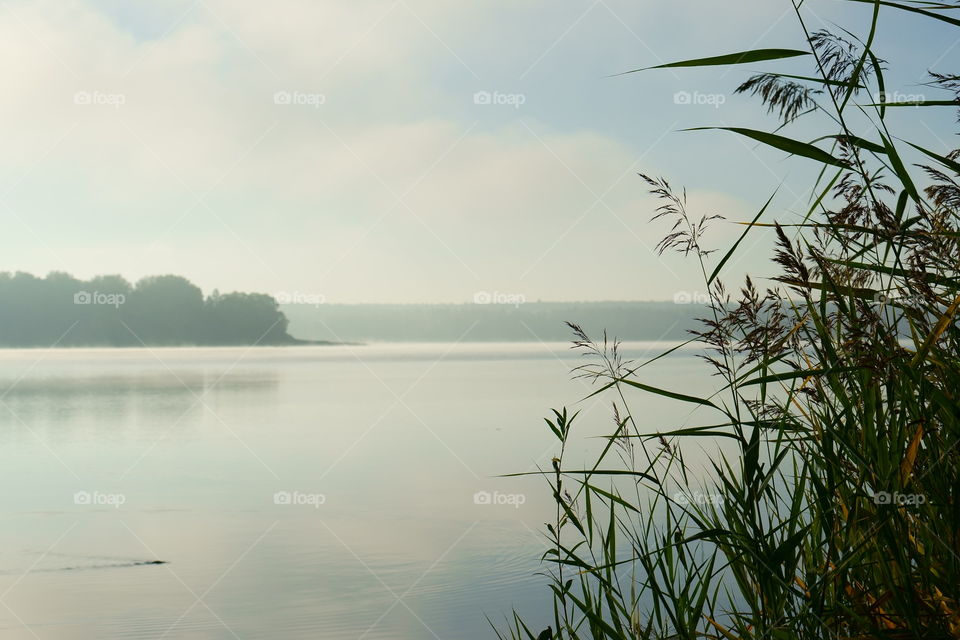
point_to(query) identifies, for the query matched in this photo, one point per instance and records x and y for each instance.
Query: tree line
(164, 310)
(488, 322)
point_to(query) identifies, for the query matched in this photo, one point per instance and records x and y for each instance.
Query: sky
(401, 151)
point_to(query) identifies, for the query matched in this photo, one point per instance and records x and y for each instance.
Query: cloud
(314, 148)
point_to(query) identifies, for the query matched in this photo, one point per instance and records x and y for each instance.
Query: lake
(295, 492)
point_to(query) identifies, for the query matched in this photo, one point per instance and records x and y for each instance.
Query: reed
(837, 512)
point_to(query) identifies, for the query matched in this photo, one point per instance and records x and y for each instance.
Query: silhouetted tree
(108, 310)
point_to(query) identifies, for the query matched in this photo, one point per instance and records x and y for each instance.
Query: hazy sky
(396, 151)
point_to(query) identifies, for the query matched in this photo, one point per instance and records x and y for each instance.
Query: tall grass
(836, 511)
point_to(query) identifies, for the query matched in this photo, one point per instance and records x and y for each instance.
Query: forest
(164, 310)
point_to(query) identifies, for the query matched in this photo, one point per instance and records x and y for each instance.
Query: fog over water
(290, 489)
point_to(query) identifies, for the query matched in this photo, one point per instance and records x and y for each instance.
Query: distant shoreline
(321, 343)
(494, 322)
(295, 343)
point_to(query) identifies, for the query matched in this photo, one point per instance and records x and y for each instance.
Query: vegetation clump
(60, 310)
(836, 511)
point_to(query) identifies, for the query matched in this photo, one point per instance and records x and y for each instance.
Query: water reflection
(399, 439)
(119, 407)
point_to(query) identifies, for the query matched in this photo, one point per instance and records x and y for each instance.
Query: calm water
(309, 492)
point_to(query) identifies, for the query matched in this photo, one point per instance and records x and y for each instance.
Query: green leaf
(744, 57)
(709, 534)
(878, 70)
(590, 612)
(902, 7)
(877, 148)
(668, 394)
(859, 142)
(610, 496)
(858, 70)
(900, 170)
(789, 145)
(740, 239)
(790, 375)
(947, 162)
(917, 103)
